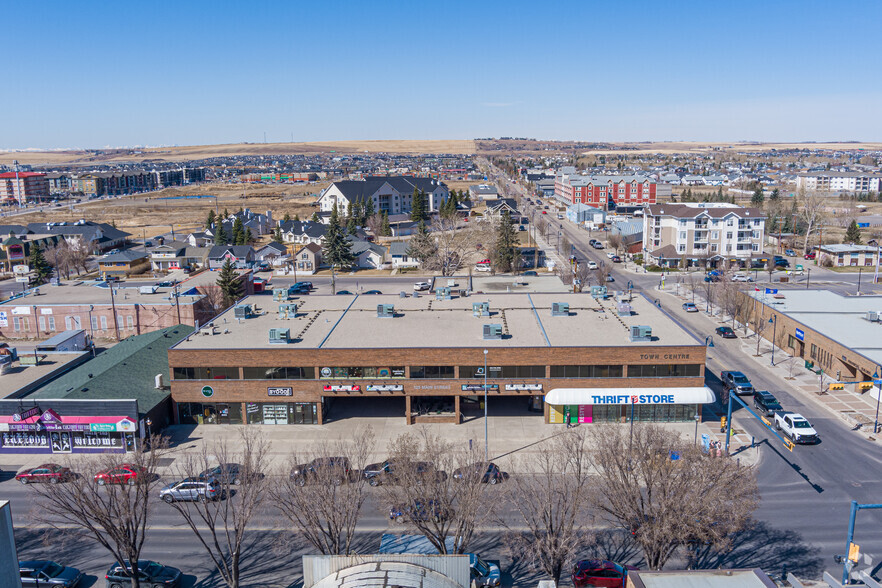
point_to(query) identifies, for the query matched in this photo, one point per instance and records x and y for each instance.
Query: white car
(420, 286)
(610, 254)
(483, 268)
(741, 278)
(592, 265)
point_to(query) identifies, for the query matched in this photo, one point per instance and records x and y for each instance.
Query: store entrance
(282, 413)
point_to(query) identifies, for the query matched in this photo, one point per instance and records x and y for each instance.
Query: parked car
(166, 284)
(522, 228)
(420, 286)
(600, 573)
(545, 211)
(48, 573)
(388, 473)
(419, 510)
(483, 268)
(191, 489)
(530, 273)
(592, 242)
(736, 382)
(229, 473)
(124, 473)
(741, 278)
(790, 252)
(372, 292)
(690, 307)
(781, 261)
(488, 472)
(809, 255)
(726, 333)
(344, 293)
(336, 469)
(610, 278)
(149, 573)
(713, 276)
(51, 473)
(616, 259)
(592, 265)
(766, 403)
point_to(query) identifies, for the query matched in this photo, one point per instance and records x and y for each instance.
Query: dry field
(192, 152)
(690, 147)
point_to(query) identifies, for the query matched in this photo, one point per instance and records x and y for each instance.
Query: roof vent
(641, 333)
(873, 316)
(480, 309)
(560, 309)
(287, 310)
(492, 331)
(385, 310)
(598, 292)
(279, 336)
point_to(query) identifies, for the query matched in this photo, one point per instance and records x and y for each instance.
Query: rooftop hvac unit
(242, 311)
(560, 309)
(287, 310)
(147, 289)
(385, 310)
(872, 316)
(493, 331)
(641, 333)
(442, 293)
(598, 291)
(481, 308)
(280, 294)
(623, 308)
(278, 336)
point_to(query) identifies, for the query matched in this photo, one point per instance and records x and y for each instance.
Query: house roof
(356, 190)
(398, 248)
(126, 370)
(308, 228)
(89, 230)
(315, 248)
(666, 252)
(126, 255)
(279, 247)
(239, 251)
(687, 211)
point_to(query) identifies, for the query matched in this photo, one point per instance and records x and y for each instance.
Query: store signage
(342, 388)
(4, 319)
(800, 335)
(326, 372)
(280, 391)
(480, 387)
(634, 399)
(16, 251)
(523, 387)
(50, 417)
(26, 414)
(102, 427)
(384, 387)
(45, 311)
(126, 425)
(432, 387)
(21, 310)
(207, 391)
(678, 395)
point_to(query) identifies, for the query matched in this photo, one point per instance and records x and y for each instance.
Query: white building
(702, 231)
(839, 182)
(392, 194)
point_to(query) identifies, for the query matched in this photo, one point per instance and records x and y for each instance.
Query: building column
(319, 413)
(456, 409)
(407, 415)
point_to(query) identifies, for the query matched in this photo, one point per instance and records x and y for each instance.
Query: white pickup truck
(796, 427)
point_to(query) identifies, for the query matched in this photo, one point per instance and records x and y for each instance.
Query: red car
(809, 255)
(124, 473)
(600, 573)
(51, 473)
(544, 212)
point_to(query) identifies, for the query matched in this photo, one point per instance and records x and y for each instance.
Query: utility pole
(177, 304)
(113, 307)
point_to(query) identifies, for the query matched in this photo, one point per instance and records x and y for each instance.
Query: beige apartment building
(703, 233)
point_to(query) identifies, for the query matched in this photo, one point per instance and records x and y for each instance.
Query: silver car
(191, 489)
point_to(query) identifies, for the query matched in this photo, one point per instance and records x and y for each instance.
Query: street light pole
(486, 442)
(878, 396)
(774, 321)
(878, 247)
(697, 418)
(860, 270)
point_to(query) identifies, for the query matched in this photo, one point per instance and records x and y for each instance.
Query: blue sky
(90, 74)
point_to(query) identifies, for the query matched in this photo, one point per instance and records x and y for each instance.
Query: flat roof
(18, 378)
(345, 322)
(700, 579)
(841, 318)
(87, 292)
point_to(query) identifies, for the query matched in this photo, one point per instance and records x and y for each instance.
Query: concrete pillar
(456, 409)
(319, 412)
(407, 415)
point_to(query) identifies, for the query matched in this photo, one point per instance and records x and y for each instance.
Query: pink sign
(585, 413)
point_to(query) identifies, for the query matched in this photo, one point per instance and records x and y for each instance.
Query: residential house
(702, 233)
(199, 239)
(483, 192)
(168, 256)
(303, 232)
(308, 258)
(241, 256)
(399, 256)
(123, 263)
(496, 208)
(367, 255)
(275, 254)
(97, 237)
(392, 194)
(692, 180)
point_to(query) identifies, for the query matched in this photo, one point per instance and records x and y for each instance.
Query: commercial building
(829, 181)
(96, 237)
(702, 233)
(848, 255)
(607, 192)
(9, 574)
(841, 335)
(43, 312)
(390, 194)
(577, 356)
(18, 187)
(720, 578)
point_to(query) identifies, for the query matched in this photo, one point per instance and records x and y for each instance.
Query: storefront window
(586, 371)
(281, 413)
(210, 413)
(688, 370)
(470, 372)
(205, 373)
(431, 371)
(352, 373)
(278, 373)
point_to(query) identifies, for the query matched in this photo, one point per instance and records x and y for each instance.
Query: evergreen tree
(385, 229)
(464, 196)
(369, 209)
(209, 222)
(421, 247)
(226, 214)
(41, 268)
(247, 237)
(758, 197)
(297, 218)
(315, 217)
(229, 283)
(418, 206)
(352, 226)
(775, 195)
(238, 231)
(277, 235)
(853, 233)
(286, 218)
(220, 234)
(506, 243)
(337, 249)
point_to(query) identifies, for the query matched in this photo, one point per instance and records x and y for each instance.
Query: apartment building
(702, 233)
(18, 187)
(839, 182)
(628, 191)
(390, 194)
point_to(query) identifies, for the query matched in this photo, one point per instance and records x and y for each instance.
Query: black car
(489, 473)
(228, 473)
(781, 261)
(389, 473)
(726, 333)
(419, 511)
(344, 293)
(48, 573)
(765, 403)
(149, 572)
(166, 284)
(373, 292)
(334, 469)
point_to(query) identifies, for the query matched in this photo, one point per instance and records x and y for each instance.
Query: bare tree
(322, 497)
(58, 257)
(454, 243)
(116, 516)
(214, 297)
(709, 289)
(614, 240)
(758, 323)
(428, 496)
(667, 493)
(552, 504)
(221, 524)
(78, 254)
(601, 274)
(811, 212)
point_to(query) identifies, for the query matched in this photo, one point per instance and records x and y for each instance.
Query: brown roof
(684, 211)
(315, 248)
(667, 252)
